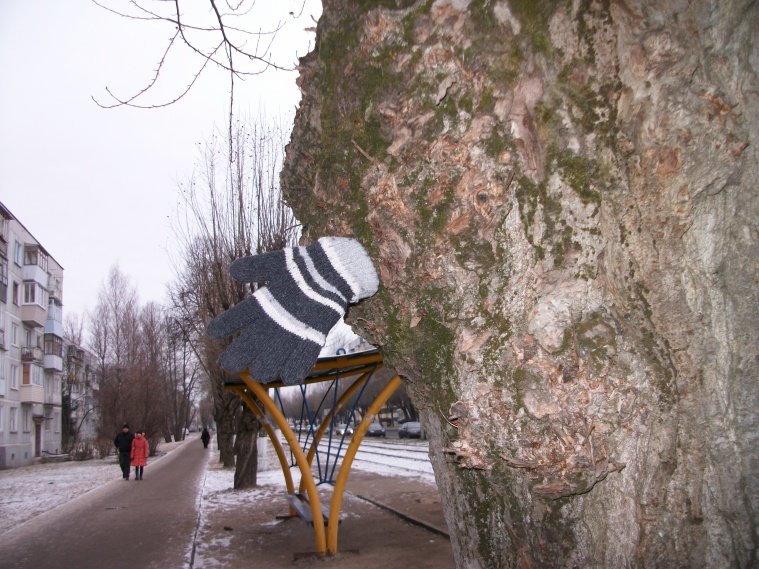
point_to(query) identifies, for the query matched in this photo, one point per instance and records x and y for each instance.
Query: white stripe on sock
(283, 318)
(294, 270)
(334, 258)
(316, 275)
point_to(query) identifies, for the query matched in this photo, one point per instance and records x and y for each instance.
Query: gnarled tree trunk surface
(561, 200)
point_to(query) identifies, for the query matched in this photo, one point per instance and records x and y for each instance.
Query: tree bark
(246, 450)
(227, 408)
(560, 198)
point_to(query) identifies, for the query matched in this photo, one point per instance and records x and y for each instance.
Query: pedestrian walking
(123, 442)
(139, 454)
(205, 436)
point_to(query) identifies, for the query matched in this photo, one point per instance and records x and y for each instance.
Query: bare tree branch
(238, 61)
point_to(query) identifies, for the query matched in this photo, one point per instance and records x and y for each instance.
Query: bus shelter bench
(302, 507)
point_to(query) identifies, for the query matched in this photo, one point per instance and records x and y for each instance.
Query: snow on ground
(29, 491)
(218, 497)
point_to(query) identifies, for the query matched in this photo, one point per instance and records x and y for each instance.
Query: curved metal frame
(328, 419)
(332, 368)
(350, 454)
(283, 462)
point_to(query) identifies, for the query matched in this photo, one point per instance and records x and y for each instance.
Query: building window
(57, 422)
(2, 373)
(53, 345)
(26, 420)
(14, 376)
(29, 289)
(33, 256)
(3, 279)
(14, 293)
(12, 419)
(52, 386)
(32, 375)
(18, 251)
(35, 294)
(14, 334)
(2, 419)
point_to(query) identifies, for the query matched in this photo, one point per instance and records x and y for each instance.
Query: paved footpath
(122, 525)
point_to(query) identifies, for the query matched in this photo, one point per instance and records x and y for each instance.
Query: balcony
(54, 322)
(52, 362)
(32, 394)
(35, 273)
(53, 397)
(31, 354)
(74, 355)
(54, 327)
(55, 288)
(33, 315)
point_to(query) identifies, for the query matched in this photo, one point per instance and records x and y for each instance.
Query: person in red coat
(140, 451)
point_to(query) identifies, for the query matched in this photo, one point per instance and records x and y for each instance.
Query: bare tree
(73, 328)
(73, 331)
(240, 39)
(181, 371)
(152, 395)
(114, 341)
(146, 368)
(233, 209)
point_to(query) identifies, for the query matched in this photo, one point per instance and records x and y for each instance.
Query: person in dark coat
(205, 436)
(123, 442)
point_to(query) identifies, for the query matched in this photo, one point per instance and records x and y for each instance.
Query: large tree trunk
(561, 200)
(246, 450)
(227, 408)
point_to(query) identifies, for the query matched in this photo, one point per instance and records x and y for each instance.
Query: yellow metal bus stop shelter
(306, 502)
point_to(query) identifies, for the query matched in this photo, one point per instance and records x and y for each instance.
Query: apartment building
(31, 346)
(80, 386)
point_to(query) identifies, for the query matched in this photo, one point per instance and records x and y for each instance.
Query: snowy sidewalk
(118, 524)
(228, 529)
(243, 529)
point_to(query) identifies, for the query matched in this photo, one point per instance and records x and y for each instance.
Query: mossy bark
(560, 198)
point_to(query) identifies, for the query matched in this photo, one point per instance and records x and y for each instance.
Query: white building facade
(80, 387)
(31, 346)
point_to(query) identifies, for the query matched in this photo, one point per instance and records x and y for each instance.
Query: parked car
(343, 429)
(410, 430)
(375, 430)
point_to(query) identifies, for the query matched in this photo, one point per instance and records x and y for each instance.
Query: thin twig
(365, 154)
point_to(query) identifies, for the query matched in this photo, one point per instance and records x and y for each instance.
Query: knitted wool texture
(285, 324)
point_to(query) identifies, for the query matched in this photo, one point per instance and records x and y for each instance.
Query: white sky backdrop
(99, 187)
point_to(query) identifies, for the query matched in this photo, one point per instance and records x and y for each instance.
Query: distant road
(122, 525)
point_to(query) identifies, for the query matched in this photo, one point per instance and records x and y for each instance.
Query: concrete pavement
(147, 524)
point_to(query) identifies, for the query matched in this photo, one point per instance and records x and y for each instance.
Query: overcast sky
(98, 187)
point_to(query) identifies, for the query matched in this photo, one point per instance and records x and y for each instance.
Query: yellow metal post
(300, 458)
(283, 462)
(323, 370)
(342, 476)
